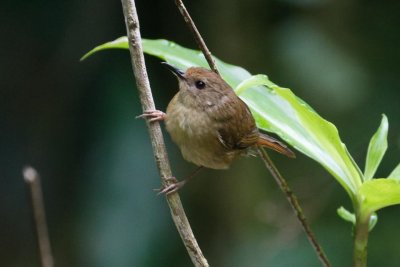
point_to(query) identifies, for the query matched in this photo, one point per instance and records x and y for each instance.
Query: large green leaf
(177, 55)
(379, 193)
(278, 110)
(275, 109)
(376, 149)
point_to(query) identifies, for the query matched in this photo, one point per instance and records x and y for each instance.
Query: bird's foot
(172, 187)
(152, 115)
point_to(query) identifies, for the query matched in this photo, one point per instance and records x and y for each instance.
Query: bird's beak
(178, 73)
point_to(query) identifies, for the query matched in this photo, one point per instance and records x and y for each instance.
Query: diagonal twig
(157, 141)
(32, 179)
(269, 164)
(197, 36)
(294, 203)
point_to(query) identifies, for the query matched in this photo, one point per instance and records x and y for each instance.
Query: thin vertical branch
(32, 179)
(197, 36)
(294, 203)
(157, 141)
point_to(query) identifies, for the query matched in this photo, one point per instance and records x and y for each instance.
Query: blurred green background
(75, 123)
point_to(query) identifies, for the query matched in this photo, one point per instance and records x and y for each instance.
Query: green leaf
(184, 58)
(378, 193)
(278, 110)
(395, 174)
(350, 217)
(376, 149)
(177, 55)
(120, 43)
(346, 215)
(373, 220)
(275, 109)
(255, 80)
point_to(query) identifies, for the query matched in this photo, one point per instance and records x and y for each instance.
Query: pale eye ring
(200, 84)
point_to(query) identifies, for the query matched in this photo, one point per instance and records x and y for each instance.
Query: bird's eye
(200, 84)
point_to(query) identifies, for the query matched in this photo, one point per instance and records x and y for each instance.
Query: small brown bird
(211, 125)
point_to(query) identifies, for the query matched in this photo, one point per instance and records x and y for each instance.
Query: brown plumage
(211, 125)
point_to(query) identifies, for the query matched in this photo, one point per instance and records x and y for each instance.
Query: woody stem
(294, 203)
(157, 140)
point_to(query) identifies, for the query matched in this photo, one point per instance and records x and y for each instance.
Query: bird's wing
(237, 128)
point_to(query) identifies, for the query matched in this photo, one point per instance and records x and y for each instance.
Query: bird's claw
(171, 188)
(152, 115)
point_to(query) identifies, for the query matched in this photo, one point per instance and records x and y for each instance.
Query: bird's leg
(175, 185)
(152, 115)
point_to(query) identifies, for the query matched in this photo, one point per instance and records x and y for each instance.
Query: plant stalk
(294, 203)
(361, 232)
(156, 137)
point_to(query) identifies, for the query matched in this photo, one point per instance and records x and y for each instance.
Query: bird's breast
(196, 134)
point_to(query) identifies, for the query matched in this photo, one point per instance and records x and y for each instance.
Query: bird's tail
(270, 142)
